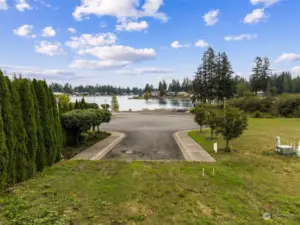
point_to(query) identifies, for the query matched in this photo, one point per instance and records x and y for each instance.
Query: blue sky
(132, 42)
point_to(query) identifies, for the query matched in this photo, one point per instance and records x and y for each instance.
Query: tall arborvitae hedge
(46, 119)
(5, 101)
(3, 155)
(27, 104)
(41, 158)
(30, 130)
(19, 132)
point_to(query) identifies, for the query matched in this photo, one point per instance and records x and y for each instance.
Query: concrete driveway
(148, 137)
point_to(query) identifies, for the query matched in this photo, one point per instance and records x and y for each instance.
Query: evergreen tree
(225, 83)
(209, 69)
(76, 105)
(19, 133)
(83, 104)
(28, 113)
(5, 101)
(41, 158)
(49, 128)
(57, 127)
(3, 154)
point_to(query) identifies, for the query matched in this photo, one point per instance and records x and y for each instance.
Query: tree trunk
(227, 146)
(200, 129)
(211, 133)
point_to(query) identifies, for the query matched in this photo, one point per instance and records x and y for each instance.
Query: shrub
(105, 106)
(258, 114)
(91, 134)
(83, 137)
(92, 106)
(106, 116)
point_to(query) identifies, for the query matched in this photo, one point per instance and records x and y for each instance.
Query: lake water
(136, 105)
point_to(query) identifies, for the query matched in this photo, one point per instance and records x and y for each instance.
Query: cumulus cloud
(119, 9)
(114, 56)
(35, 72)
(212, 17)
(241, 37)
(255, 16)
(176, 45)
(50, 49)
(24, 30)
(296, 70)
(89, 40)
(288, 57)
(72, 30)
(3, 5)
(130, 26)
(201, 44)
(265, 2)
(23, 5)
(146, 70)
(48, 32)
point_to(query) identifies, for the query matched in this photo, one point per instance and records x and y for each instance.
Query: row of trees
(214, 78)
(230, 122)
(175, 86)
(91, 90)
(277, 84)
(30, 130)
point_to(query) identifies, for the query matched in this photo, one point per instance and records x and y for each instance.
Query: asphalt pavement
(148, 136)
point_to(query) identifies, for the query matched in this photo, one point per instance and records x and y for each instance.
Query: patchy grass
(70, 151)
(247, 182)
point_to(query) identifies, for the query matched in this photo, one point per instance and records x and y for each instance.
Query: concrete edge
(184, 148)
(109, 147)
(180, 144)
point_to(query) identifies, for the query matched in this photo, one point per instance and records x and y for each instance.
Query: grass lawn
(70, 151)
(247, 182)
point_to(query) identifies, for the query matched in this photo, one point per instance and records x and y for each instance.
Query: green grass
(70, 151)
(247, 182)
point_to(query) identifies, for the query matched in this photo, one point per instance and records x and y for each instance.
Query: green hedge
(30, 130)
(77, 122)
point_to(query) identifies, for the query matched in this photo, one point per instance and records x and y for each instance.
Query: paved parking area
(148, 137)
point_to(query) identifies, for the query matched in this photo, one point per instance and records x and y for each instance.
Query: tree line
(91, 90)
(30, 131)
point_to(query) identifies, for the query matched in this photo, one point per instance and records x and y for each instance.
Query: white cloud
(296, 70)
(176, 44)
(23, 30)
(288, 57)
(146, 70)
(50, 49)
(23, 5)
(125, 25)
(201, 44)
(48, 32)
(33, 36)
(3, 5)
(212, 17)
(39, 73)
(72, 30)
(114, 56)
(241, 37)
(255, 16)
(119, 9)
(89, 40)
(265, 2)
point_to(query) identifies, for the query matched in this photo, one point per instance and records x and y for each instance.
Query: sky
(134, 42)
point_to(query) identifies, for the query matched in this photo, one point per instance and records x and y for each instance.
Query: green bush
(77, 121)
(105, 106)
(91, 134)
(257, 114)
(92, 106)
(83, 137)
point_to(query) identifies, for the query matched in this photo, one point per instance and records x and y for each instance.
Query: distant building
(183, 94)
(171, 94)
(260, 93)
(155, 94)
